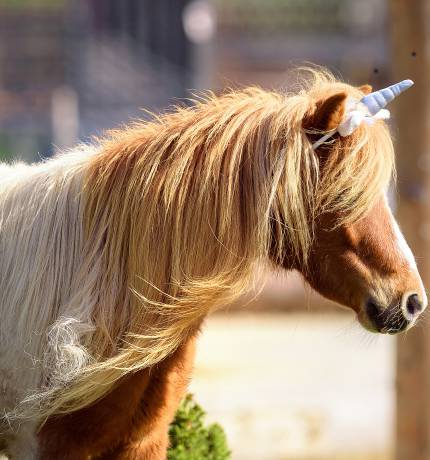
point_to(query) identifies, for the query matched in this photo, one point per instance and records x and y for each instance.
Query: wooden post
(410, 25)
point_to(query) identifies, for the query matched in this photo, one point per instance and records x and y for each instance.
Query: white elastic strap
(320, 141)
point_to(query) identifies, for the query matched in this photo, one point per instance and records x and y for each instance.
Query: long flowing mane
(173, 216)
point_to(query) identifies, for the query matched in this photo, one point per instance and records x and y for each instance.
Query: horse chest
(137, 413)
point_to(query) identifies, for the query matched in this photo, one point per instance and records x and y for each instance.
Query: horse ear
(329, 113)
(365, 89)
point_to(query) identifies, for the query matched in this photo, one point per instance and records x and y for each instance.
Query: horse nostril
(413, 304)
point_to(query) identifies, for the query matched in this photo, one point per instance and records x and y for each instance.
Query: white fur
(409, 257)
(406, 253)
(43, 316)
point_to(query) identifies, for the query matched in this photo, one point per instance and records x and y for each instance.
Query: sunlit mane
(164, 222)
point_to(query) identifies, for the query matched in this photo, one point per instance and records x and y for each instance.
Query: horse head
(361, 261)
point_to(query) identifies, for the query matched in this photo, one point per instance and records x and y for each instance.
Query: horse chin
(365, 322)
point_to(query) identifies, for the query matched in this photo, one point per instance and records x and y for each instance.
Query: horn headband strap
(368, 109)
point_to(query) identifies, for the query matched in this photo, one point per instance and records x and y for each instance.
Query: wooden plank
(410, 24)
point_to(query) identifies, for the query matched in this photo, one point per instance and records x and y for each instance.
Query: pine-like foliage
(190, 439)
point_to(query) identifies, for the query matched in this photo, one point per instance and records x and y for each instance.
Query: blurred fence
(117, 57)
(258, 41)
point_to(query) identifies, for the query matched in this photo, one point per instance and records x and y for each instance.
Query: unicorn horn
(379, 99)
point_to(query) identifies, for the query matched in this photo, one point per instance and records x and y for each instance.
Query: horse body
(112, 256)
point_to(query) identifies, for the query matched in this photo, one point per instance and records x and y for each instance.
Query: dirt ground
(297, 386)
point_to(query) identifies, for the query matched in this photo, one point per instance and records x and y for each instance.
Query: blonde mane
(176, 214)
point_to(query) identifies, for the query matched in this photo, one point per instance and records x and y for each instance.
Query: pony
(112, 255)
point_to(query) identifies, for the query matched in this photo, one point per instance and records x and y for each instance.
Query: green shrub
(190, 439)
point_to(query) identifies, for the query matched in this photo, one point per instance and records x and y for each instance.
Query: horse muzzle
(398, 316)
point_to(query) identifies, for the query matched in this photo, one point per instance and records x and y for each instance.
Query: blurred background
(288, 374)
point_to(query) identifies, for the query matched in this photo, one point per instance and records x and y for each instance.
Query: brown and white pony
(111, 256)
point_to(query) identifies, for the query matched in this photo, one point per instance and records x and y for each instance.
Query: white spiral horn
(379, 99)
